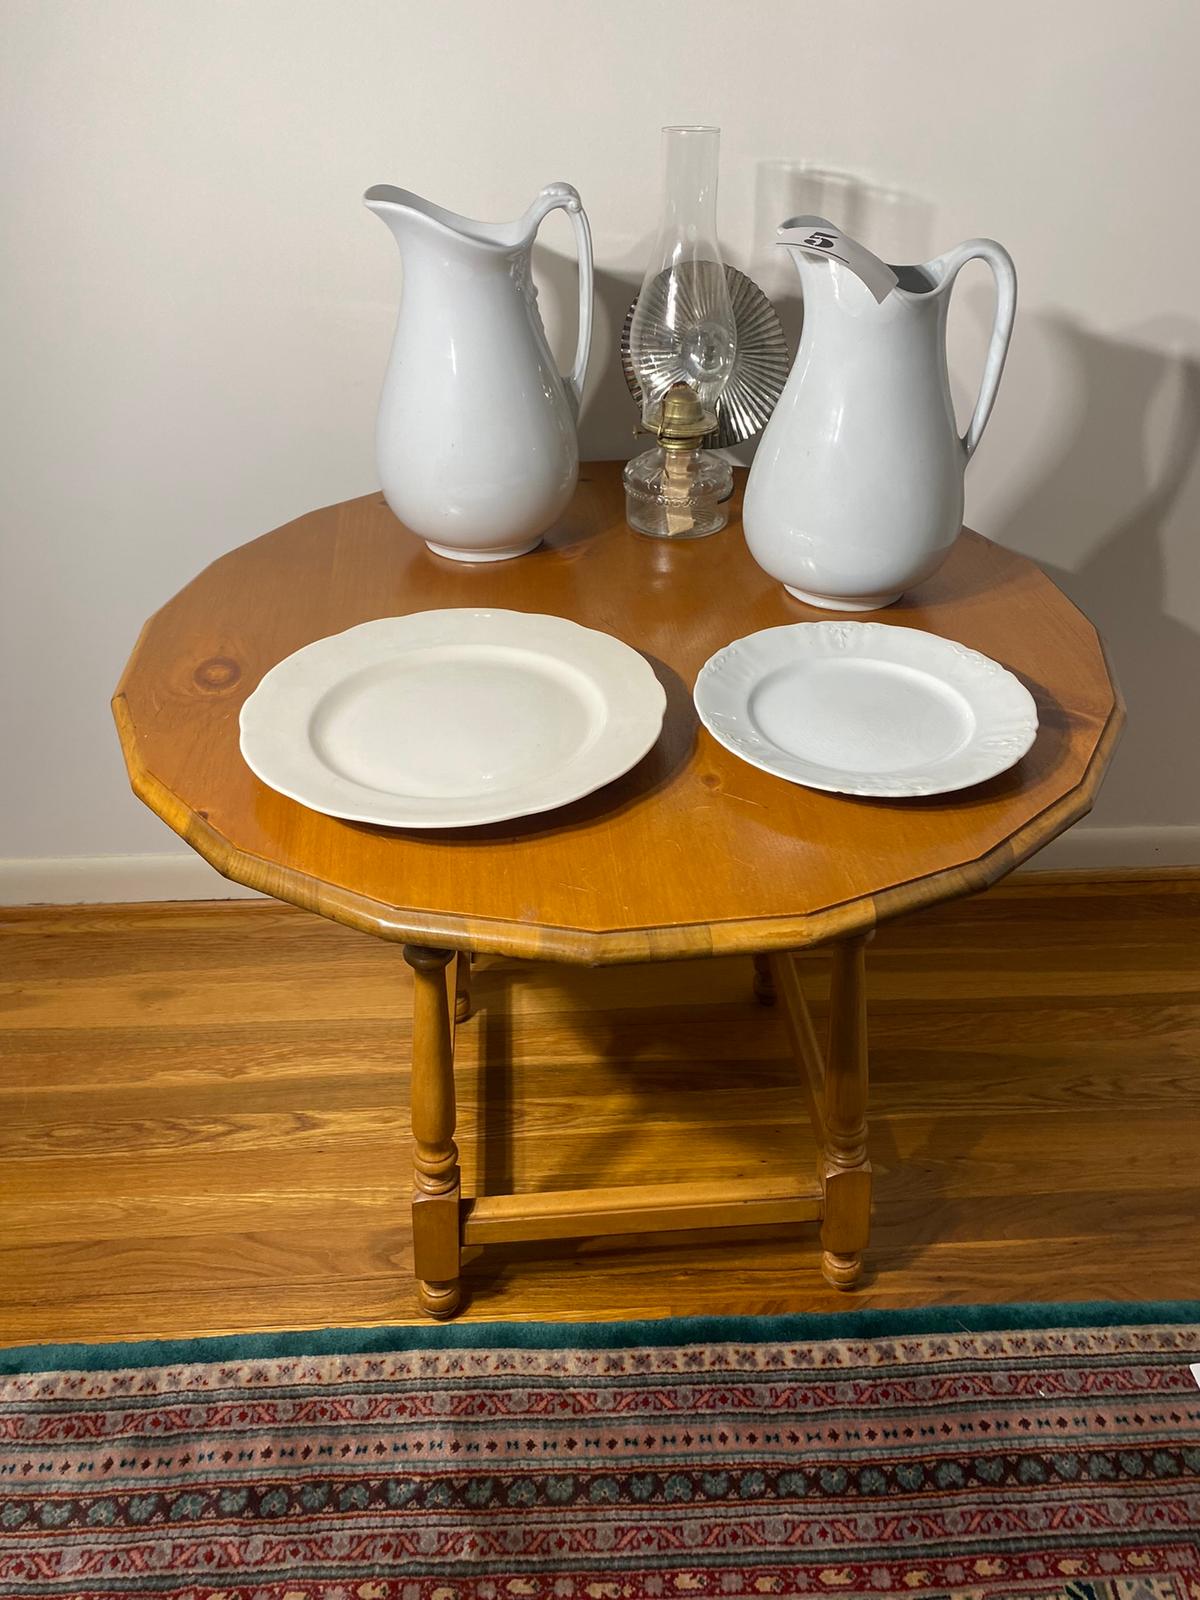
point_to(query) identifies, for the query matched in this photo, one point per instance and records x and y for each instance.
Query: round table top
(693, 851)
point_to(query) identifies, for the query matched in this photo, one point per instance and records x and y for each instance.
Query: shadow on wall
(1127, 474)
(608, 425)
(897, 226)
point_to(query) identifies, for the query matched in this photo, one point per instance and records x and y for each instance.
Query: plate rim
(867, 785)
(641, 724)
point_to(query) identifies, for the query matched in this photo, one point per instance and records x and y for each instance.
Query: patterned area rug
(1006, 1452)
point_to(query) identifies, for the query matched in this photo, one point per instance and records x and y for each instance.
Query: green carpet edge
(794, 1328)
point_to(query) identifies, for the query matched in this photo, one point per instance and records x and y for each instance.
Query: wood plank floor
(203, 1116)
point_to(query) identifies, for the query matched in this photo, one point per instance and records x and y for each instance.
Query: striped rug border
(794, 1328)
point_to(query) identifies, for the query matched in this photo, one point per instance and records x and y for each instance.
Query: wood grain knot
(218, 672)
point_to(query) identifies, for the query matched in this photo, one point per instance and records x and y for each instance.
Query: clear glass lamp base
(678, 494)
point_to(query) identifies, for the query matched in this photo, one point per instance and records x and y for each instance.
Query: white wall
(199, 309)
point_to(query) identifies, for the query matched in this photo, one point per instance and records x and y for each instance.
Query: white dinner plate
(444, 719)
(865, 708)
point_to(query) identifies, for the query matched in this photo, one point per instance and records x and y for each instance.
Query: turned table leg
(435, 1204)
(845, 1170)
(764, 981)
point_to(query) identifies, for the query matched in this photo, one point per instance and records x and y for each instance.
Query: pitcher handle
(1005, 274)
(566, 196)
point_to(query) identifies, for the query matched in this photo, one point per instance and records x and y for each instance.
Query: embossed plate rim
(1006, 721)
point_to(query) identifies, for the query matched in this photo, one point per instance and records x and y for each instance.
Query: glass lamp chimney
(682, 343)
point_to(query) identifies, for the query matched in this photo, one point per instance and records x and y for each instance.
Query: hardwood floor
(203, 1124)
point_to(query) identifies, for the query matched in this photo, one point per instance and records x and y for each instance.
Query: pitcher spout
(811, 240)
(402, 211)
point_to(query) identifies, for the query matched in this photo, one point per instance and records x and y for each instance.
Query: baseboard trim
(94, 880)
(1115, 849)
(91, 880)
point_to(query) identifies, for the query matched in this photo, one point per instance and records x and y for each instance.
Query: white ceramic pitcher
(856, 492)
(476, 438)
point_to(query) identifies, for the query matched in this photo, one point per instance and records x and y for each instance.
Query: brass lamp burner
(683, 423)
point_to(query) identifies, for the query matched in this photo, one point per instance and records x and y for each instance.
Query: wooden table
(692, 853)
